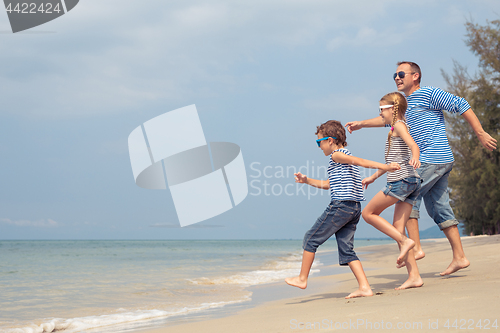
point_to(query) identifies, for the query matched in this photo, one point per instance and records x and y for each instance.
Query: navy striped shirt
(345, 180)
(425, 117)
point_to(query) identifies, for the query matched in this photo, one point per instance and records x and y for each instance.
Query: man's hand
(487, 141)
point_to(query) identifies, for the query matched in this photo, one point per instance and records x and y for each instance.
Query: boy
(342, 214)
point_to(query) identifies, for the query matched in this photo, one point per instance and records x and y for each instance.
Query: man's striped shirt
(425, 117)
(345, 180)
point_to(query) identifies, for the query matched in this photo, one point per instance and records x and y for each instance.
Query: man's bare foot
(456, 264)
(419, 254)
(406, 245)
(361, 292)
(411, 283)
(297, 282)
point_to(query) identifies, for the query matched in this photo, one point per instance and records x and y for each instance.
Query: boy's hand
(300, 178)
(367, 181)
(393, 167)
(415, 163)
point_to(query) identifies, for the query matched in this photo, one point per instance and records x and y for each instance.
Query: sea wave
(272, 271)
(132, 318)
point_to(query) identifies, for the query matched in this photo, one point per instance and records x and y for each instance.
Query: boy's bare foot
(419, 254)
(456, 264)
(406, 245)
(360, 293)
(297, 282)
(411, 283)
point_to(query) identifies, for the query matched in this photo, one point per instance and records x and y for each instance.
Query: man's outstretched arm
(486, 140)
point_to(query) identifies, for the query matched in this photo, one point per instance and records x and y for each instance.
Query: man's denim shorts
(406, 190)
(339, 218)
(434, 191)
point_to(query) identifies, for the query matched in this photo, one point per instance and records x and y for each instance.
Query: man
(427, 127)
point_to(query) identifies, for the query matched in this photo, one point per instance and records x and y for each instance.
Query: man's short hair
(414, 68)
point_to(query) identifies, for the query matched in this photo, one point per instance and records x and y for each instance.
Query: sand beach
(466, 300)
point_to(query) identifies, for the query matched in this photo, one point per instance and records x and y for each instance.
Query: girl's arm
(346, 159)
(300, 178)
(401, 130)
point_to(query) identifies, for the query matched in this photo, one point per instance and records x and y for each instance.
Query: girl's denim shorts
(405, 190)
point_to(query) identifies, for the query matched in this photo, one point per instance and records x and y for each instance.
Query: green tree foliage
(475, 179)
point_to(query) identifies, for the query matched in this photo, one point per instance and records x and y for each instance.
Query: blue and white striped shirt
(345, 180)
(425, 117)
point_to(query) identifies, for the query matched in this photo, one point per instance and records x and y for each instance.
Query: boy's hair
(400, 105)
(414, 68)
(333, 128)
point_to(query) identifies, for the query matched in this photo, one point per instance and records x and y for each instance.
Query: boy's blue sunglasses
(325, 138)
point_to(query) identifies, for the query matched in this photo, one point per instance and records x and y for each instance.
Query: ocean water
(112, 286)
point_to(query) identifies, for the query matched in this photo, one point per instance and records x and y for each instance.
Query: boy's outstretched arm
(303, 179)
(356, 125)
(347, 159)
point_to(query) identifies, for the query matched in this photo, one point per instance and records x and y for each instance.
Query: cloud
(370, 37)
(44, 223)
(155, 52)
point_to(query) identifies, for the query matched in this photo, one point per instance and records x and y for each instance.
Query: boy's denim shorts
(339, 218)
(406, 190)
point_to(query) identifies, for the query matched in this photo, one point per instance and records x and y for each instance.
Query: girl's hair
(335, 129)
(400, 104)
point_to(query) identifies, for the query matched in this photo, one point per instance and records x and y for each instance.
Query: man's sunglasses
(401, 74)
(325, 138)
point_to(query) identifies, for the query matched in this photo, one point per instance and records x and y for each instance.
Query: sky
(262, 74)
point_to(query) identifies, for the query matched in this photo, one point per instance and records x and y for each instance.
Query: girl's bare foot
(406, 245)
(456, 265)
(361, 292)
(297, 282)
(411, 283)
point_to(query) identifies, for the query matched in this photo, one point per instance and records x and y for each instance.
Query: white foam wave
(271, 272)
(93, 322)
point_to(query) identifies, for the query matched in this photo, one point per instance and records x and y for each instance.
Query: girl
(402, 186)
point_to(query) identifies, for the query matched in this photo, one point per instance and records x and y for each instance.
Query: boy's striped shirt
(345, 180)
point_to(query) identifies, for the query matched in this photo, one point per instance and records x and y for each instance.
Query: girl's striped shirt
(400, 153)
(345, 180)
